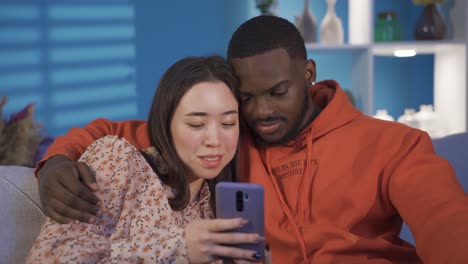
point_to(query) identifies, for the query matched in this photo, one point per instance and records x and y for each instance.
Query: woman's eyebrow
(230, 112)
(196, 114)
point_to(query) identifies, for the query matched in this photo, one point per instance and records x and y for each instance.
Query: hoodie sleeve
(74, 143)
(426, 193)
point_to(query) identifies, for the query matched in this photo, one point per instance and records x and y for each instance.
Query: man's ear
(311, 73)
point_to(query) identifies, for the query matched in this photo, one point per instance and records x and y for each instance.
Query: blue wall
(82, 59)
(403, 83)
(170, 30)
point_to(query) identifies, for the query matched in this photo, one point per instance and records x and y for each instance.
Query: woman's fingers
(235, 238)
(218, 225)
(234, 253)
(208, 239)
(241, 261)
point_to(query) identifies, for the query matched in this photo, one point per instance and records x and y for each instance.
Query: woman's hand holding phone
(207, 240)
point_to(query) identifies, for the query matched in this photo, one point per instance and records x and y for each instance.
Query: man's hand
(66, 190)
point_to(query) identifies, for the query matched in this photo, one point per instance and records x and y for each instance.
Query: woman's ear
(310, 72)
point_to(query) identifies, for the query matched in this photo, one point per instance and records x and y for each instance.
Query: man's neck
(313, 111)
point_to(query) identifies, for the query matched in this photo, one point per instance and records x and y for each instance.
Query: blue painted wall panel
(66, 55)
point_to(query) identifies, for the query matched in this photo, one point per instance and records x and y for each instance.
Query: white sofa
(21, 215)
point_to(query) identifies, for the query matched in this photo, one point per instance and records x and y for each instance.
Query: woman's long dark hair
(175, 82)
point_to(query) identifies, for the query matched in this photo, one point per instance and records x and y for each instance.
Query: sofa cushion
(21, 215)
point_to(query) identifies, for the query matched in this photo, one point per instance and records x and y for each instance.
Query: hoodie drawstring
(307, 173)
(301, 204)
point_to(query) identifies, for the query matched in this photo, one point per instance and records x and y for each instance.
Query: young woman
(157, 202)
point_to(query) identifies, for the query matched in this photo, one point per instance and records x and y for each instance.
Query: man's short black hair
(264, 33)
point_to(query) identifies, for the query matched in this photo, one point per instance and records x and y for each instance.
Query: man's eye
(245, 98)
(279, 92)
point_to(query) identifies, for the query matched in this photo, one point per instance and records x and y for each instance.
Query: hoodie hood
(337, 109)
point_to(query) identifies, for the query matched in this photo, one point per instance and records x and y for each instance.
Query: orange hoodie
(335, 194)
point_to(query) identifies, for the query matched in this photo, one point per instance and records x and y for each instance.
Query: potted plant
(21, 139)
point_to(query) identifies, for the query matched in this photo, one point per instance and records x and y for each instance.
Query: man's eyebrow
(230, 112)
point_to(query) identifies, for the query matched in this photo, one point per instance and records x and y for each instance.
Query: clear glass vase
(331, 28)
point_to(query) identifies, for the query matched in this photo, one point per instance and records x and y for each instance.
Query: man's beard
(299, 127)
(293, 132)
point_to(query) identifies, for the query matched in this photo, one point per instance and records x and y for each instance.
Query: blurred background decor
(426, 119)
(331, 28)
(21, 138)
(266, 7)
(306, 24)
(430, 24)
(387, 27)
(80, 60)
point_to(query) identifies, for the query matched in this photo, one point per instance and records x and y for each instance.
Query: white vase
(383, 115)
(331, 28)
(306, 24)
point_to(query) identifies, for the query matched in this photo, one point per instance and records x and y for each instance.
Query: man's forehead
(273, 55)
(262, 88)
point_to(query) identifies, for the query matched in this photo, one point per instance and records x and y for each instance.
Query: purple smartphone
(244, 200)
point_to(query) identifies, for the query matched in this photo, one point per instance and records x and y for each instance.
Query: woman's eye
(195, 125)
(229, 124)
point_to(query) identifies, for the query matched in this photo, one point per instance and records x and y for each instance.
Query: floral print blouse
(137, 224)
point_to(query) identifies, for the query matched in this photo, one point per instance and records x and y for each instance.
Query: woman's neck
(195, 187)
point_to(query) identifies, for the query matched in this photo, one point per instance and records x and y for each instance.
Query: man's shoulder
(379, 131)
(368, 122)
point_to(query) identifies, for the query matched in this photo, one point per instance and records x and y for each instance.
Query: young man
(337, 183)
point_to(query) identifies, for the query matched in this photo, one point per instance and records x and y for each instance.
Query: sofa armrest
(21, 214)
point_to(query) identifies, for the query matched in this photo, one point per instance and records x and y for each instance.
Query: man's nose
(262, 108)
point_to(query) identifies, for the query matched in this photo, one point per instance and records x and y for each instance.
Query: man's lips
(267, 127)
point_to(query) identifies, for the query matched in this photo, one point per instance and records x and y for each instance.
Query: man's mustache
(270, 119)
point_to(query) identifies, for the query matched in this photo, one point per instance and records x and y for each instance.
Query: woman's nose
(213, 137)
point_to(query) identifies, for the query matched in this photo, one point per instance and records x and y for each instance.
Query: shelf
(421, 47)
(387, 48)
(356, 63)
(335, 47)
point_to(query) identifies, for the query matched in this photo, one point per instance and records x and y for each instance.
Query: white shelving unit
(450, 62)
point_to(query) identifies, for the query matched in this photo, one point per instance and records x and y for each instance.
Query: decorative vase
(387, 27)
(266, 7)
(306, 24)
(430, 24)
(331, 28)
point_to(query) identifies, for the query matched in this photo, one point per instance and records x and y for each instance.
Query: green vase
(387, 27)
